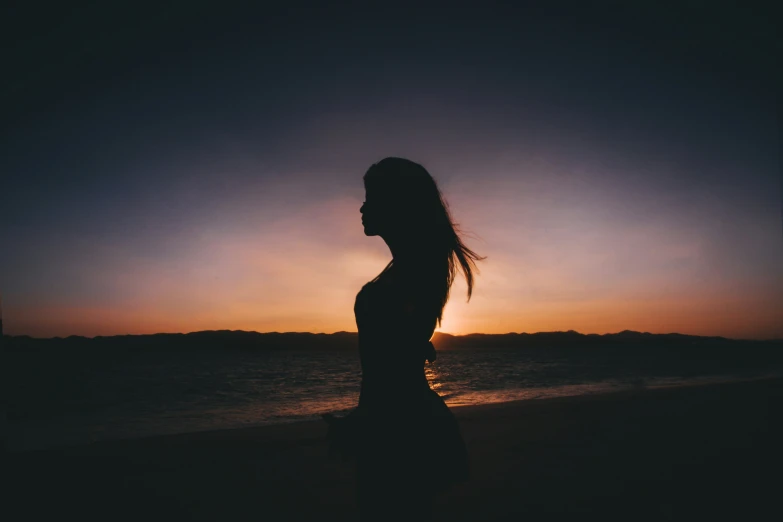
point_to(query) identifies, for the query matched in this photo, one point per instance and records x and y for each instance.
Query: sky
(190, 167)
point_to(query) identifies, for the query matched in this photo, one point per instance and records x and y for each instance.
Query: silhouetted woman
(406, 443)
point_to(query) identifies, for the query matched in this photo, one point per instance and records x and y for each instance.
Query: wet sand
(707, 452)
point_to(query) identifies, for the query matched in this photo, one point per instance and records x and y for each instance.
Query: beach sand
(707, 452)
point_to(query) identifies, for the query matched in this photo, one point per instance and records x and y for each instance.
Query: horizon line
(355, 332)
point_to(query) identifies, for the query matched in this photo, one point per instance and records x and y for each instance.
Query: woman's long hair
(423, 221)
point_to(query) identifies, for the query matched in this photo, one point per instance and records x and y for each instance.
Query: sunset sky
(190, 169)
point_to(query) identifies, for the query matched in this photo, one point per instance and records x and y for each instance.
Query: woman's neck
(400, 251)
(413, 256)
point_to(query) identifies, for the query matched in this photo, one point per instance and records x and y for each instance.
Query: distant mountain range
(238, 339)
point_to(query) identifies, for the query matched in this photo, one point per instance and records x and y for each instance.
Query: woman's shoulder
(365, 289)
(421, 276)
(411, 282)
(419, 271)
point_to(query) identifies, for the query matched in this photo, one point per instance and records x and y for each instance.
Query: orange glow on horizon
(301, 273)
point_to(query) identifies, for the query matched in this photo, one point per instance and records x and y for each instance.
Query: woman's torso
(392, 358)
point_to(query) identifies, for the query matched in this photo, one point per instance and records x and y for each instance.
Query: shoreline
(303, 428)
(699, 452)
(280, 429)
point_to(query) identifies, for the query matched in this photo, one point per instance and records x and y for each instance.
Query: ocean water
(61, 399)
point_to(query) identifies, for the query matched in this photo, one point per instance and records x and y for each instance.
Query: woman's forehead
(380, 192)
(374, 191)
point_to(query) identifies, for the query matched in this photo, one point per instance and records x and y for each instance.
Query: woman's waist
(378, 372)
(409, 401)
(388, 383)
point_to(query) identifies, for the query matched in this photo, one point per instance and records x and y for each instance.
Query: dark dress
(405, 441)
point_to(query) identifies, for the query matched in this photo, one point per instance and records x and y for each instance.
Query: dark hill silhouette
(572, 338)
(194, 341)
(244, 340)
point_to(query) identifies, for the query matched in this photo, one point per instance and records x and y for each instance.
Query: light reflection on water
(433, 376)
(51, 403)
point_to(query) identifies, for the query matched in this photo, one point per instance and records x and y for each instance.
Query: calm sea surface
(55, 400)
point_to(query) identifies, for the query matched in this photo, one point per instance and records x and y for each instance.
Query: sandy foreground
(707, 452)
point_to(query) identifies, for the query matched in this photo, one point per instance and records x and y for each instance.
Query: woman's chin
(369, 231)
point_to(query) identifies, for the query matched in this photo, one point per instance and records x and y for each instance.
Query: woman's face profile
(374, 214)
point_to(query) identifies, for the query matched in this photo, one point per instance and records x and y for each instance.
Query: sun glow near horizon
(302, 272)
